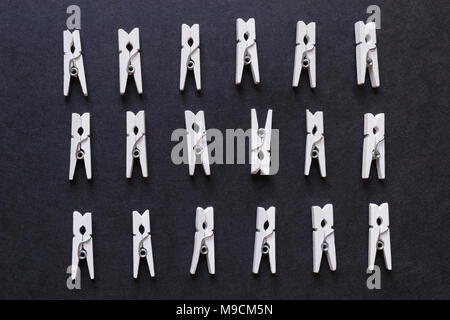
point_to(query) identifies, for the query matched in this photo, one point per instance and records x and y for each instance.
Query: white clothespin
(260, 142)
(142, 242)
(190, 54)
(136, 142)
(305, 53)
(373, 148)
(323, 236)
(197, 144)
(264, 238)
(246, 49)
(315, 142)
(80, 148)
(366, 53)
(130, 59)
(204, 239)
(379, 234)
(73, 61)
(82, 243)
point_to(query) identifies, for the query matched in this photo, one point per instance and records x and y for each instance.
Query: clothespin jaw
(142, 242)
(261, 144)
(366, 53)
(264, 238)
(374, 145)
(323, 236)
(129, 59)
(197, 144)
(136, 142)
(246, 49)
(305, 53)
(80, 148)
(379, 234)
(315, 142)
(82, 243)
(204, 239)
(190, 54)
(73, 61)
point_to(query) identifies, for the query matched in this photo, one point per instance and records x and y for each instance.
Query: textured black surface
(37, 200)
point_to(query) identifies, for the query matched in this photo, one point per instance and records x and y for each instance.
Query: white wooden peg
(129, 59)
(261, 144)
(323, 236)
(82, 243)
(142, 242)
(73, 61)
(305, 53)
(246, 49)
(379, 234)
(374, 145)
(366, 53)
(315, 142)
(80, 146)
(190, 54)
(197, 144)
(136, 142)
(265, 238)
(204, 239)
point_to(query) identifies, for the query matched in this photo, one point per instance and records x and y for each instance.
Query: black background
(37, 200)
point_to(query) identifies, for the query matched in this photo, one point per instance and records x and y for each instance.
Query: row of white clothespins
(246, 54)
(197, 143)
(323, 239)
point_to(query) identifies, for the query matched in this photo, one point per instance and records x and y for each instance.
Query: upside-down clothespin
(129, 59)
(73, 61)
(80, 147)
(142, 242)
(305, 53)
(323, 236)
(264, 238)
(197, 144)
(261, 144)
(373, 148)
(366, 53)
(82, 243)
(246, 49)
(136, 142)
(190, 54)
(315, 142)
(204, 239)
(379, 234)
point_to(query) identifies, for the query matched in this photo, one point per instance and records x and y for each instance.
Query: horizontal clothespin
(379, 234)
(204, 239)
(264, 238)
(305, 53)
(246, 49)
(130, 59)
(315, 142)
(366, 53)
(73, 61)
(142, 242)
(80, 147)
(190, 54)
(323, 236)
(197, 144)
(82, 243)
(261, 144)
(373, 148)
(136, 142)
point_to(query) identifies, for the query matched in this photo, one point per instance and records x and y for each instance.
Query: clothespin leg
(191, 155)
(254, 64)
(297, 66)
(317, 251)
(196, 254)
(322, 163)
(387, 250)
(381, 161)
(138, 73)
(197, 74)
(331, 253)
(75, 257)
(148, 246)
(211, 255)
(361, 63)
(66, 75)
(87, 159)
(374, 71)
(88, 246)
(308, 158)
(240, 52)
(136, 257)
(257, 253)
(373, 239)
(123, 72)
(312, 68)
(81, 75)
(183, 68)
(367, 156)
(272, 253)
(73, 159)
